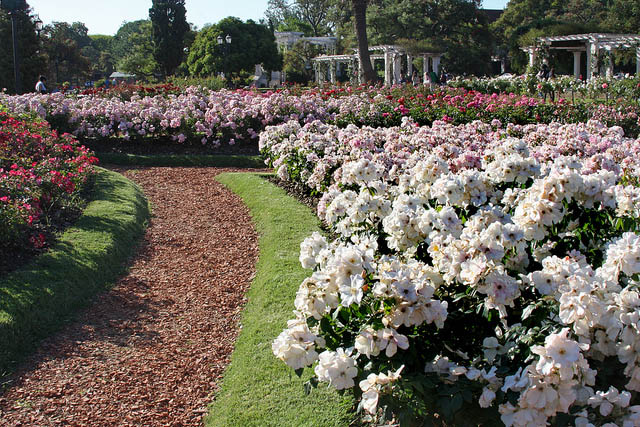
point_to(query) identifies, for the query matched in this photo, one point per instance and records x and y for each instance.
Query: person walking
(40, 87)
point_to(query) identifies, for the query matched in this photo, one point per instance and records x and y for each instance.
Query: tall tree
(360, 26)
(458, 28)
(31, 61)
(251, 44)
(169, 23)
(311, 17)
(63, 45)
(133, 45)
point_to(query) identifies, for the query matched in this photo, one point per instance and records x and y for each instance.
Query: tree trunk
(360, 23)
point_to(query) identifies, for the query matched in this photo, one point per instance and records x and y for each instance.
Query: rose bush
(480, 273)
(41, 178)
(212, 118)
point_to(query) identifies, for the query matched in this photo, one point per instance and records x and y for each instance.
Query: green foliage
(169, 23)
(257, 389)
(522, 20)
(66, 47)
(31, 62)
(297, 62)
(456, 27)
(211, 83)
(37, 299)
(312, 17)
(133, 45)
(217, 160)
(251, 44)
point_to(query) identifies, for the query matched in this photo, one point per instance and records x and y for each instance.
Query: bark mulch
(150, 351)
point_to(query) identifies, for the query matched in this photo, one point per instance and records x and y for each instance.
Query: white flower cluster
(518, 236)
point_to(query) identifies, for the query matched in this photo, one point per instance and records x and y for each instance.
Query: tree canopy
(251, 44)
(312, 17)
(133, 46)
(524, 20)
(169, 25)
(31, 61)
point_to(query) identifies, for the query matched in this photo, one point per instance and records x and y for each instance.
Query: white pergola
(592, 44)
(392, 56)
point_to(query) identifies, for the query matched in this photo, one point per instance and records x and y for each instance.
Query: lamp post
(13, 6)
(225, 43)
(39, 25)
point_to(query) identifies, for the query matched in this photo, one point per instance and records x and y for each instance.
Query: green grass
(89, 256)
(237, 161)
(258, 389)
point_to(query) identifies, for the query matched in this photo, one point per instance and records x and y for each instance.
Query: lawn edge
(40, 297)
(244, 398)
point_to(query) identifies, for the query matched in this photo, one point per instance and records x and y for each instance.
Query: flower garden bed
(213, 119)
(480, 271)
(484, 258)
(42, 175)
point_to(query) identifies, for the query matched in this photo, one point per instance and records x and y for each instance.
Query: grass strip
(89, 256)
(211, 160)
(258, 389)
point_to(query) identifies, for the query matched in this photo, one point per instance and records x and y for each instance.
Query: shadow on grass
(38, 298)
(203, 160)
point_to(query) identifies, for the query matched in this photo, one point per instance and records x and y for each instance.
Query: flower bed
(314, 153)
(627, 87)
(212, 118)
(481, 272)
(41, 177)
(195, 115)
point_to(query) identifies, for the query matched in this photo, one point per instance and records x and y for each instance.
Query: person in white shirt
(40, 87)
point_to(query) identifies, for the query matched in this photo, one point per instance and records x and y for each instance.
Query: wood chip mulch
(151, 351)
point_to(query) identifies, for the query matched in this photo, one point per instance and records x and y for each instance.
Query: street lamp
(13, 6)
(38, 24)
(225, 43)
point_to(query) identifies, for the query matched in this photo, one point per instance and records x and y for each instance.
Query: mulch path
(150, 351)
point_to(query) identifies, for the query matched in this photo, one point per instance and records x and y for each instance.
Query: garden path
(150, 351)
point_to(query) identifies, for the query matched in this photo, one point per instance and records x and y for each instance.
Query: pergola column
(409, 65)
(397, 68)
(436, 65)
(532, 57)
(577, 55)
(387, 67)
(609, 65)
(332, 71)
(592, 59)
(638, 61)
(425, 69)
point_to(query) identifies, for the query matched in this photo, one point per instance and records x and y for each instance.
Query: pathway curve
(150, 351)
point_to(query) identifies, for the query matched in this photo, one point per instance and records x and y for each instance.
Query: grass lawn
(258, 389)
(41, 296)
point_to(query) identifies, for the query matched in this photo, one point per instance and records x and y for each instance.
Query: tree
(31, 62)
(62, 45)
(102, 59)
(297, 62)
(360, 27)
(133, 45)
(311, 17)
(169, 24)
(457, 28)
(251, 44)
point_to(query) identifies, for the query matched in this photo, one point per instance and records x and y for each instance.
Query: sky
(106, 16)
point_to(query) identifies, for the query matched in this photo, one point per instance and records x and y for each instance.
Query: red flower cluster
(41, 174)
